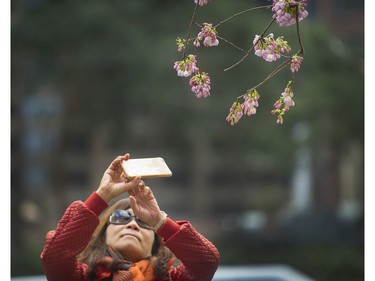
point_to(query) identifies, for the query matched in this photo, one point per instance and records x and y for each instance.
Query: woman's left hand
(144, 204)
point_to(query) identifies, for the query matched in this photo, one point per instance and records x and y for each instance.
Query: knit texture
(199, 257)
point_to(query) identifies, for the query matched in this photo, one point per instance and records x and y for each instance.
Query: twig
(298, 34)
(273, 73)
(190, 26)
(230, 43)
(242, 12)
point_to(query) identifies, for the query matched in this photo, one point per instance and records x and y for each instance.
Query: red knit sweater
(199, 257)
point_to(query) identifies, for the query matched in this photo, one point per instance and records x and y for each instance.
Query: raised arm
(74, 230)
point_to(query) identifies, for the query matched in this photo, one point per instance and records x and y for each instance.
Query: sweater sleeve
(69, 239)
(199, 257)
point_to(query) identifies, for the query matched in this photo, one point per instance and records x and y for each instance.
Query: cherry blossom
(200, 85)
(283, 104)
(270, 49)
(209, 36)
(251, 102)
(285, 11)
(186, 67)
(296, 63)
(201, 2)
(235, 113)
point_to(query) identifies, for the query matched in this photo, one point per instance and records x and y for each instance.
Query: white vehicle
(259, 273)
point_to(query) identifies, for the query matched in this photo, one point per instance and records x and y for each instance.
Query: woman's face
(131, 240)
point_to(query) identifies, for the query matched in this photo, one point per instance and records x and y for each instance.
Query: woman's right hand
(113, 183)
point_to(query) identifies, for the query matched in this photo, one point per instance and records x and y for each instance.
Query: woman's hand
(113, 182)
(144, 204)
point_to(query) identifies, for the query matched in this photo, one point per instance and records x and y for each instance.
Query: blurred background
(91, 80)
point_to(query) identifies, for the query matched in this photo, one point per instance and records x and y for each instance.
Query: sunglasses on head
(124, 217)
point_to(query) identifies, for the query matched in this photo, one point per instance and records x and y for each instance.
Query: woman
(133, 240)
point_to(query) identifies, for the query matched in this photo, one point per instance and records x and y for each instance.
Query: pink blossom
(287, 96)
(196, 43)
(210, 41)
(277, 104)
(201, 2)
(288, 101)
(268, 48)
(285, 11)
(248, 107)
(283, 104)
(209, 36)
(296, 63)
(187, 66)
(200, 85)
(235, 113)
(280, 119)
(251, 102)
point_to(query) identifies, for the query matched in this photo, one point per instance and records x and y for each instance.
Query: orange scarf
(139, 271)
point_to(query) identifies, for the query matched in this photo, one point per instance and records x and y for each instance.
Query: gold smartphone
(146, 168)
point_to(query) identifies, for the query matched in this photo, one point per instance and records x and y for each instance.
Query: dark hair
(97, 248)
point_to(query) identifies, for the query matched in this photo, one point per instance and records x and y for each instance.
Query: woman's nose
(132, 224)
